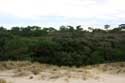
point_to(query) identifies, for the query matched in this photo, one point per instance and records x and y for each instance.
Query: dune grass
(45, 71)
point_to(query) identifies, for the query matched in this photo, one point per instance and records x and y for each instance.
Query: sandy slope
(25, 72)
(103, 79)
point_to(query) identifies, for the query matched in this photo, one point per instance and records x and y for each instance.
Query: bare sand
(26, 72)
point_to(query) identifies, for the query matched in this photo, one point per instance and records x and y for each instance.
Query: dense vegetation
(66, 46)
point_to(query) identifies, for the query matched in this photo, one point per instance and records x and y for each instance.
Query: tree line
(67, 46)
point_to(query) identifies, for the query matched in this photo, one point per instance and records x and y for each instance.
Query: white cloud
(68, 8)
(26, 8)
(85, 9)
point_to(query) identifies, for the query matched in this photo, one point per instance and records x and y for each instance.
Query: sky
(93, 13)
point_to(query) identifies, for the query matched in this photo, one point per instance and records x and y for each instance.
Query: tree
(26, 31)
(34, 28)
(107, 26)
(90, 28)
(4, 38)
(63, 28)
(2, 29)
(16, 30)
(122, 26)
(79, 28)
(71, 28)
(51, 29)
(116, 30)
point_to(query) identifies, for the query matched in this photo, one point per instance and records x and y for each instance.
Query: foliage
(66, 46)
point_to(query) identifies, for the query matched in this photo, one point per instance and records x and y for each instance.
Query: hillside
(67, 46)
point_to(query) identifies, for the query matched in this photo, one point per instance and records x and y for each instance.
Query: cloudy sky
(94, 13)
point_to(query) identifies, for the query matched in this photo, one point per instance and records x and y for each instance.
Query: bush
(62, 47)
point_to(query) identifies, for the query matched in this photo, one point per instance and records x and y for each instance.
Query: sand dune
(26, 72)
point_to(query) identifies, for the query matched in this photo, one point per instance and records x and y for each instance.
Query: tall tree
(71, 28)
(63, 28)
(2, 29)
(106, 26)
(79, 28)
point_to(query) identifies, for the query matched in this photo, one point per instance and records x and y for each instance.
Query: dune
(27, 72)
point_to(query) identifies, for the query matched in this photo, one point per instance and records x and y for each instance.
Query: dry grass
(112, 68)
(21, 74)
(8, 65)
(3, 81)
(45, 71)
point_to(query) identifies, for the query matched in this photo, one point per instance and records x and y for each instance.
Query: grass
(21, 74)
(3, 81)
(45, 71)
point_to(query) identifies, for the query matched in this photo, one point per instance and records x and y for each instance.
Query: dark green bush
(66, 47)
